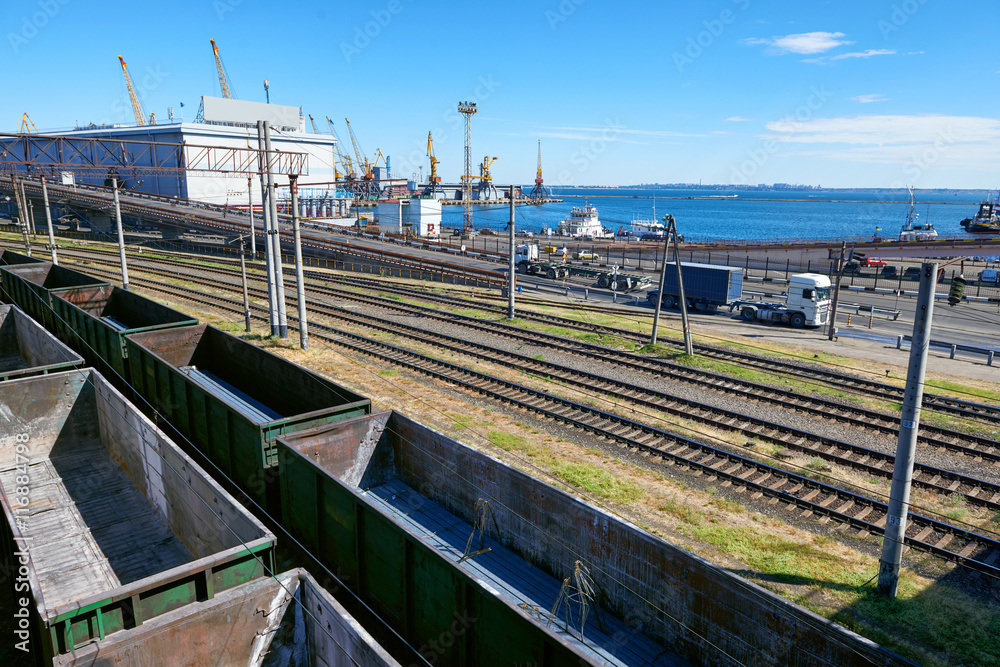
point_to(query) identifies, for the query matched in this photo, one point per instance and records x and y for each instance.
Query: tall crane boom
(434, 161)
(315, 129)
(362, 161)
(345, 160)
(140, 116)
(223, 79)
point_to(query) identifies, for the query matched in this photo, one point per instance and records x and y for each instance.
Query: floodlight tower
(467, 108)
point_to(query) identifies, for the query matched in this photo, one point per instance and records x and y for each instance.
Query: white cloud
(853, 54)
(864, 54)
(885, 130)
(805, 43)
(889, 139)
(738, 119)
(871, 97)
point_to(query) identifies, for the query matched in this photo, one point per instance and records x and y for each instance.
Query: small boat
(915, 232)
(582, 221)
(986, 221)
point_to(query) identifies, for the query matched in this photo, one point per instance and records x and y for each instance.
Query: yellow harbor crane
(434, 161)
(484, 168)
(27, 127)
(223, 79)
(140, 116)
(345, 160)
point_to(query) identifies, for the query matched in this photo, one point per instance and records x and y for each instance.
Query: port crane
(486, 190)
(27, 127)
(367, 188)
(140, 115)
(434, 181)
(538, 193)
(227, 92)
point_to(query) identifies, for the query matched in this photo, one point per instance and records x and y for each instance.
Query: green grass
(599, 482)
(389, 373)
(943, 625)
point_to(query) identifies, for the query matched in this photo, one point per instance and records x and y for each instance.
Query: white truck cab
(809, 294)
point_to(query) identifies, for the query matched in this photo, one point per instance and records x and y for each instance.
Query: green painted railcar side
(244, 450)
(433, 605)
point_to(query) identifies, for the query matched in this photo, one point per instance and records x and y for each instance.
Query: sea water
(715, 215)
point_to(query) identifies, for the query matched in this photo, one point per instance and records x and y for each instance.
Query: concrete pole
(265, 212)
(28, 209)
(300, 289)
(688, 343)
(400, 203)
(48, 221)
(243, 275)
(279, 275)
(510, 261)
(902, 474)
(121, 234)
(253, 234)
(836, 291)
(21, 214)
(659, 294)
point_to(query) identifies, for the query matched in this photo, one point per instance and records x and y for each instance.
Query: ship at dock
(583, 221)
(986, 220)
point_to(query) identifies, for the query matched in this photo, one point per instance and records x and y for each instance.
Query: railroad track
(979, 448)
(804, 495)
(944, 404)
(871, 462)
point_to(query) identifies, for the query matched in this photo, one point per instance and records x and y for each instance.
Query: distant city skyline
(848, 94)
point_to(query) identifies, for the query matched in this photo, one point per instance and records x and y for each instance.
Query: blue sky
(842, 94)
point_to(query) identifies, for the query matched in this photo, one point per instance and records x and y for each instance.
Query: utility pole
(21, 214)
(265, 211)
(253, 235)
(672, 229)
(121, 234)
(902, 474)
(48, 220)
(279, 276)
(300, 290)
(659, 293)
(243, 277)
(836, 291)
(510, 262)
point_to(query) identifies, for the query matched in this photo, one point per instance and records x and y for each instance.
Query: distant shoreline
(777, 199)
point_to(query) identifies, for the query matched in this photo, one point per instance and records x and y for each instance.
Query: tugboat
(582, 222)
(987, 220)
(911, 230)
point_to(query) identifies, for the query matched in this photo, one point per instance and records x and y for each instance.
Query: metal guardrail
(953, 348)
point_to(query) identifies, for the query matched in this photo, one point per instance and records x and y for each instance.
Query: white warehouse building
(227, 123)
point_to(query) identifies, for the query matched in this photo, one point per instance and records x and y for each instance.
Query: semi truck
(527, 262)
(807, 303)
(706, 286)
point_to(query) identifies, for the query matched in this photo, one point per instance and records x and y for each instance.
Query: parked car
(912, 273)
(587, 255)
(873, 261)
(524, 234)
(889, 271)
(553, 250)
(651, 236)
(852, 267)
(988, 276)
